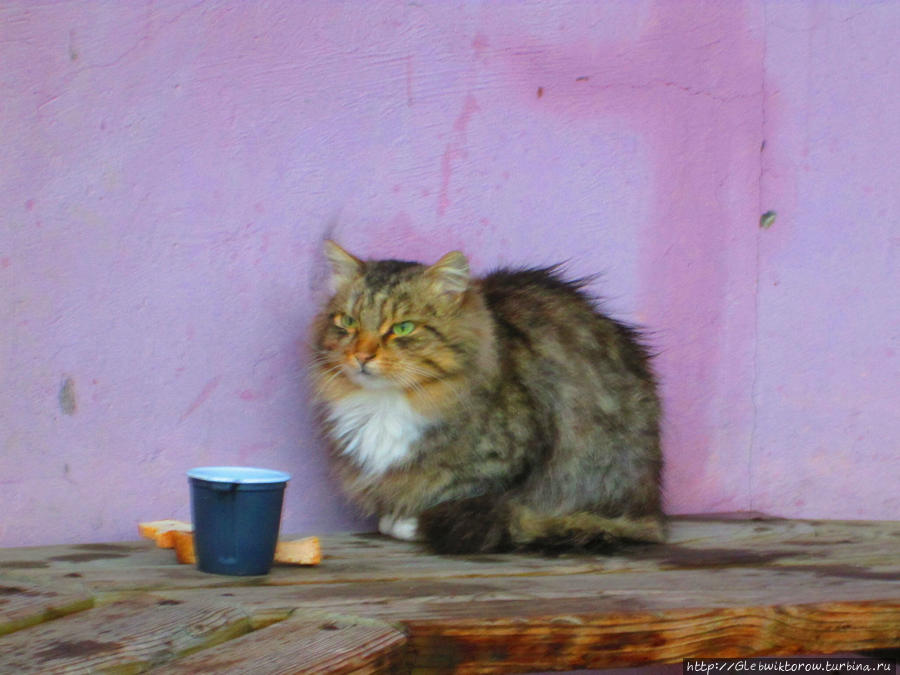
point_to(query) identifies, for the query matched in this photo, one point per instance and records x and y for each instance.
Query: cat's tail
(493, 524)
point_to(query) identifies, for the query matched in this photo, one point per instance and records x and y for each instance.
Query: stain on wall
(67, 400)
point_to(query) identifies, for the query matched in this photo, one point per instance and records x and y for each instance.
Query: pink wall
(168, 171)
(827, 393)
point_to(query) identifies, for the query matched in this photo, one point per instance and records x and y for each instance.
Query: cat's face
(391, 324)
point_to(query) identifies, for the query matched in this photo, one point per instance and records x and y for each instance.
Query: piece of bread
(179, 535)
(184, 547)
(299, 551)
(162, 531)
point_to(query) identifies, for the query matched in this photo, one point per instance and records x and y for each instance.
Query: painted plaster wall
(827, 391)
(169, 170)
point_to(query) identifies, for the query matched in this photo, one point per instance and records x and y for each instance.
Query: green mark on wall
(767, 219)
(67, 402)
(73, 52)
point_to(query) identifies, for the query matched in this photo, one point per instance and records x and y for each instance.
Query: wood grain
(720, 587)
(128, 636)
(23, 605)
(571, 640)
(309, 643)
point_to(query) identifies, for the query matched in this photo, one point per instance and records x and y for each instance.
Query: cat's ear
(450, 274)
(344, 267)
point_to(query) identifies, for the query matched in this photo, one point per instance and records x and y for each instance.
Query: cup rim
(238, 474)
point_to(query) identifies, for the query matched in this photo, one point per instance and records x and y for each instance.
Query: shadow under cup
(237, 515)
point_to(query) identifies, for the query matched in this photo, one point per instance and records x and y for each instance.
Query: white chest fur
(376, 428)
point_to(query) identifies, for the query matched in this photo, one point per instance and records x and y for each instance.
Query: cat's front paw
(406, 529)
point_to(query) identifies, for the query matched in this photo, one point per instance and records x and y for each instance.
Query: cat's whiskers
(317, 361)
(435, 396)
(328, 375)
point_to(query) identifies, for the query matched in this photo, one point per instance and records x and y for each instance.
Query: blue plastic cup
(237, 515)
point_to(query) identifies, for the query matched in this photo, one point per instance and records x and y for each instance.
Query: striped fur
(491, 414)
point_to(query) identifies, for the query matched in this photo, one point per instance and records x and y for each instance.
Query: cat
(486, 415)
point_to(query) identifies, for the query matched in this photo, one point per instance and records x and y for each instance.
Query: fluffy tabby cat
(488, 414)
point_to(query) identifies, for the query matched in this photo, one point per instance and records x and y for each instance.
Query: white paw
(385, 523)
(406, 529)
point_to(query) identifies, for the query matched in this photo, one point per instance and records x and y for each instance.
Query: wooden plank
(752, 585)
(873, 547)
(67, 556)
(23, 605)
(307, 643)
(345, 558)
(128, 636)
(600, 621)
(559, 642)
(467, 598)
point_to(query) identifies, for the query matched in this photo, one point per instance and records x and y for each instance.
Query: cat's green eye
(347, 321)
(403, 328)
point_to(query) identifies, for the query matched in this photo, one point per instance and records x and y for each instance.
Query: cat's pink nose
(362, 358)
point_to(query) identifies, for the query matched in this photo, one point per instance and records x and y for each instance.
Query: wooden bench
(722, 586)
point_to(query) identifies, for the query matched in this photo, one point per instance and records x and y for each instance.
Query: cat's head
(394, 324)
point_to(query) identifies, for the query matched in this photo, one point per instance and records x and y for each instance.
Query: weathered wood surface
(130, 636)
(23, 605)
(720, 587)
(308, 643)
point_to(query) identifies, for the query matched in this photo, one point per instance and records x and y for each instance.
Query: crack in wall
(150, 33)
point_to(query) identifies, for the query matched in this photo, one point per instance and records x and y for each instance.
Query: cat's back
(534, 299)
(507, 286)
(539, 313)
